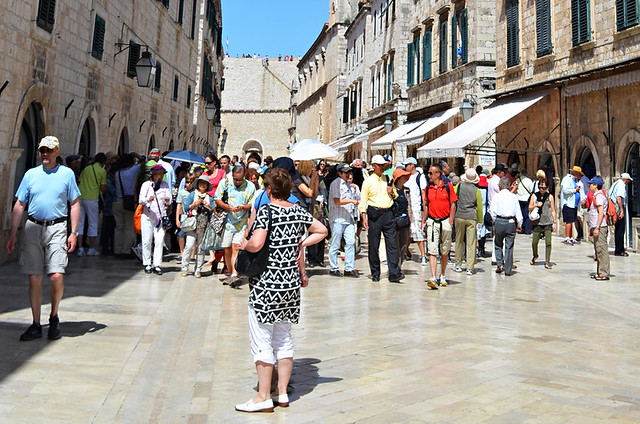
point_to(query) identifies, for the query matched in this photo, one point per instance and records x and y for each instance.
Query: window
(345, 109)
(443, 46)
(158, 78)
(176, 82)
(188, 97)
(165, 3)
(426, 55)
(626, 14)
(354, 103)
(194, 10)
(46, 14)
(390, 79)
(543, 28)
(459, 38)
(180, 12)
(513, 55)
(410, 63)
(207, 80)
(134, 56)
(97, 48)
(580, 22)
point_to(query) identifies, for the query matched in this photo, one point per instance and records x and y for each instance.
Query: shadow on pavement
(305, 377)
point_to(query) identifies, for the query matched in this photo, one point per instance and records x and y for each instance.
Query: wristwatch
(75, 233)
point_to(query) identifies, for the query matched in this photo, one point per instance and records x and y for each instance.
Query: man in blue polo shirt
(46, 190)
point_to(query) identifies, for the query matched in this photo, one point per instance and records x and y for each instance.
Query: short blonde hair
(305, 167)
(540, 174)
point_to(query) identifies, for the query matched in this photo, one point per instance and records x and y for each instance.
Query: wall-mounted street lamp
(466, 108)
(210, 111)
(145, 67)
(223, 140)
(388, 124)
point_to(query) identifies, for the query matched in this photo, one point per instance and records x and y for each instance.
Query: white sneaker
(93, 252)
(470, 272)
(431, 283)
(81, 251)
(443, 281)
(457, 268)
(424, 261)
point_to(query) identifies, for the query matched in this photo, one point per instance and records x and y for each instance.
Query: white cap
(52, 142)
(626, 176)
(378, 160)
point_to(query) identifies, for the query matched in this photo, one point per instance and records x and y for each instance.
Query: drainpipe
(612, 156)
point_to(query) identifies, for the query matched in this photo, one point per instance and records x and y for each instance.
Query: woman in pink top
(215, 175)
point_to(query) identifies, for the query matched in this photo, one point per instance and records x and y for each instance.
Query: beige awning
(357, 139)
(416, 136)
(386, 141)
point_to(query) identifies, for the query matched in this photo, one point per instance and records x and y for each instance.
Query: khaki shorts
(438, 242)
(232, 237)
(44, 246)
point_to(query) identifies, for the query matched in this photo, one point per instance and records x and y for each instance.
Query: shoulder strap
(120, 178)
(418, 176)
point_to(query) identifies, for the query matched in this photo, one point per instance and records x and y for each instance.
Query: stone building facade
(256, 106)
(585, 55)
(69, 71)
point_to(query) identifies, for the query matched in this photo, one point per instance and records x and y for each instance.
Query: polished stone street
(541, 346)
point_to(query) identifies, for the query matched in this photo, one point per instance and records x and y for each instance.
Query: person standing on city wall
(47, 189)
(618, 193)
(376, 201)
(507, 217)
(93, 182)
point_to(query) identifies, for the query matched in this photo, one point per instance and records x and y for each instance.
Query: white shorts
(89, 209)
(232, 237)
(417, 233)
(269, 342)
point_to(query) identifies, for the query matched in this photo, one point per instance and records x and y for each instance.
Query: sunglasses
(188, 182)
(45, 150)
(542, 188)
(208, 163)
(238, 179)
(430, 173)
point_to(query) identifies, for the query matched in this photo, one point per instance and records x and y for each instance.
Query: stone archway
(580, 152)
(123, 142)
(632, 166)
(87, 142)
(252, 146)
(31, 131)
(586, 161)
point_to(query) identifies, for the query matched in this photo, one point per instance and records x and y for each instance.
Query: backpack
(418, 175)
(612, 215)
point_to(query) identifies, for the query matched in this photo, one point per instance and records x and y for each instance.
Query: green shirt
(91, 178)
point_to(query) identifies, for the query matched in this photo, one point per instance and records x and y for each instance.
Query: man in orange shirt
(438, 215)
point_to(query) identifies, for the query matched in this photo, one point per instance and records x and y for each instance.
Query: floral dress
(275, 295)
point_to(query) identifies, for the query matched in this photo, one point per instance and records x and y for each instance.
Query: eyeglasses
(188, 182)
(208, 163)
(45, 150)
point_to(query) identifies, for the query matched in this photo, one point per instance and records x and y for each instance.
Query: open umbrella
(185, 156)
(309, 149)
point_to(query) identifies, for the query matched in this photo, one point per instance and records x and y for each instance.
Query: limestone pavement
(541, 346)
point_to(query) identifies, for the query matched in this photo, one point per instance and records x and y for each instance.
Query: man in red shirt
(438, 214)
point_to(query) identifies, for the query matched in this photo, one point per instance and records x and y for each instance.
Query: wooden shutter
(180, 12)
(626, 14)
(454, 41)
(543, 28)
(97, 48)
(345, 109)
(463, 23)
(134, 56)
(443, 46)
(580, 22)
(410, 63)
(46, 14)
(188, 96)
(426, 55)
(513, 54)
(416, 50)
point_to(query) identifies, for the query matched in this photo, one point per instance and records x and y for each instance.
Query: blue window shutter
(543, 28)
(426, 55)
(443, 46)
(454, 41)
(463, 22)
(97, 47)
(513, 54)
(410, 63)
(580, 22)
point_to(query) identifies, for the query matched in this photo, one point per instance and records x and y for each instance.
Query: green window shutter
(134, 56)
(463, 22)
(410, 63)
(443, 46)
(180, 12)
(543, 28)
(426, 55)
(158, 78)
(176, 82)
(580, 22)
(416, 49)
(188, 97)
(97, 48)
(46, 14)
(626, 14)
(390, 77)
(513, 54)
(454, 41)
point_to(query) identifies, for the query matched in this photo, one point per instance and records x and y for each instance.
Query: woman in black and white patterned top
(274, 298)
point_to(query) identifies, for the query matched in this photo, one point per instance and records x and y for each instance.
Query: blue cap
(596, 181)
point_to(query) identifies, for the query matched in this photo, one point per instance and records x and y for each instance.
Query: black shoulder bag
(128, 201)
(252, 264)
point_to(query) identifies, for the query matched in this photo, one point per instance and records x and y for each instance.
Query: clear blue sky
(272, 27)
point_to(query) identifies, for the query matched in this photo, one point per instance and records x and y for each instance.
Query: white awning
(453, 143)
(416, 136)
(357, 139)
(340, 141)
(386, 141)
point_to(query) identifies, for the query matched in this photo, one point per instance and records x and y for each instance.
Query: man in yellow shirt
(376, 202)
(93, 182)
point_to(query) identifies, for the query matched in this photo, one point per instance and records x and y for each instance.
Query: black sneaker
(33, 332)
(335, 273)
(353, 273)
(157, 270)
(396, 278)
(54, 332)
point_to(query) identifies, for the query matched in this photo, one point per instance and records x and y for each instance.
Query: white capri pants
(269, 342)
(152, 241)
(89, 209)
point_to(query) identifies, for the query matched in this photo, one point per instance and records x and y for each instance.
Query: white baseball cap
(378, 160)
(50, 142)
(626, 176)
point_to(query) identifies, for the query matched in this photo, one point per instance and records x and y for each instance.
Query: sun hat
(156, 169)
(577, 169)
(378, 160)
(202, 178)
(399, 172)
(470, 176)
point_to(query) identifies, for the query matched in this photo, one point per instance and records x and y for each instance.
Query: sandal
(533, 260)
(601, 278)
(548, 266)
(499, 269)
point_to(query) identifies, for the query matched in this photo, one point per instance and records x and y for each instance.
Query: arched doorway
(171, 145)
(31, 131)
(587, 163)
(632, 166)
(87, 145)
(152, 143)
(123, 142)
(252, 146)
(546, 164)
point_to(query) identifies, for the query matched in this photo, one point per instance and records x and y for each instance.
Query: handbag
(219, 216)
(488, 221)
(252, 264)
(403, 221)
(188, 223)
(137, 219)
(165, 220)
(128, 201)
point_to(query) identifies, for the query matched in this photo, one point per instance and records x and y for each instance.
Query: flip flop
(533, 260)
(548, 266)
(601, 278)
